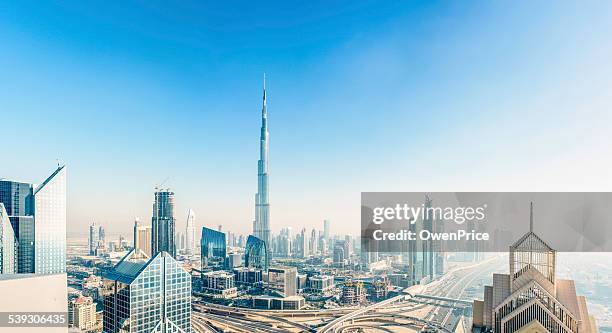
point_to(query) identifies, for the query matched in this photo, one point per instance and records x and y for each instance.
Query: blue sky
(363, 96)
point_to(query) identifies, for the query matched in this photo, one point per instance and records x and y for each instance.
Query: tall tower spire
(261, 227)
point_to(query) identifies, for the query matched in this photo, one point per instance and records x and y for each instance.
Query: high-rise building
(93, 239)
(190, 233)
(18, 200)
(314, 242)
(531, 298)
(8, 244)
(142, 237)
(147, 295)
(256, 253)
(262, 204)
(50, 224)
(213, 248)
(326, 227)
(101, 235)
(38, 217)
(162, 238)
(82, 313)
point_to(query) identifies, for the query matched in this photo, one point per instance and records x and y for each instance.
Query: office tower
(190, 233)
(82, 313)
(101, 235)
(163, 223)
(18, 200)
(340, 252)
(93, 239)
(314, 242)
(147, 295)
(255, 253)
(8, 244)
(213, 248)
(427, 257)
(530, 298)
(142, 237)
(283, 280)
(326, 227)
(181, 242)
(302, 244)
(438, 250)
(262, 204)
(50, 224)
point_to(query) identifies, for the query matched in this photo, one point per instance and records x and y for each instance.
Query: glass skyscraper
(38, 217)
(212, 247)
(8, 244)
(163, 223)
(147, 295)
(50, 224)
(256, 253)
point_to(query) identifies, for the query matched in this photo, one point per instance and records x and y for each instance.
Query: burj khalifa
(261, 227)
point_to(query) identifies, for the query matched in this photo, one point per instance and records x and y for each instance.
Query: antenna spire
(531, 217)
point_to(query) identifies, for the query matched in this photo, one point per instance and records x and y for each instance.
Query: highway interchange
(437, 306)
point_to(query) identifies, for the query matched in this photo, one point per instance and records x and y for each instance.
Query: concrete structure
(353, 292)
(531, 298)
(190, 236)
(34, 293)
(248, 276)
(320, 284)
(142, 237)
(219, 284)
(283, 280)
(82, 313)
(279, 303)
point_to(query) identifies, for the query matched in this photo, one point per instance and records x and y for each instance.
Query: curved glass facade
(256, 254)
(213, 247)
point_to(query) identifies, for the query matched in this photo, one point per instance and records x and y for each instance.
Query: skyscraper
(101, 235)
(213, 248)
(8, 244)
(255, 253)
(262, 204)
(190, 233)
(50, 224)
(147, 295)
(163, 223)
(142, 237)
(530, 298)
(18, 200)
(93, 239)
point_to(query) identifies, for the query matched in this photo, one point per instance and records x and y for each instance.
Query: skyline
(436, 97)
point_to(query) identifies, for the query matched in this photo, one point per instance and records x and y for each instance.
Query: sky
(362, 96)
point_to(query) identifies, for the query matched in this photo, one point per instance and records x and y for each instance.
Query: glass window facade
(18, 200)
(163, 223)
(50, 224)
(213, 247)
(256, 254)
(8, 247)
(153, 296)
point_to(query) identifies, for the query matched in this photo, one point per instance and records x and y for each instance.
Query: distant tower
(190, 232)
(142, 237)
(262, 204)
(93, 239)
(163, 223)
(102, 235)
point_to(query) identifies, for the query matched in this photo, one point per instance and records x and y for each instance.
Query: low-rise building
(219, 284)
(82, 313)
(320, 284)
